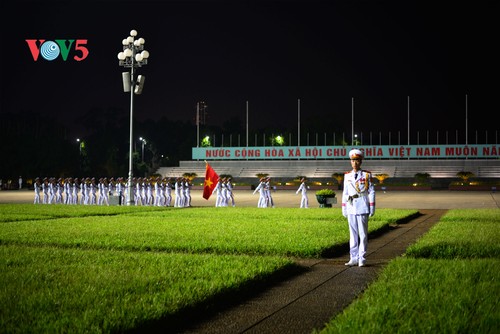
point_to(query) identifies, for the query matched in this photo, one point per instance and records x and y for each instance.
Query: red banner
(211, 179)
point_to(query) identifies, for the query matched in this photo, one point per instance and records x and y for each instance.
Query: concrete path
(433, 199)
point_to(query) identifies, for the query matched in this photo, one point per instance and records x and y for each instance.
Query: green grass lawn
(281, 231)
(84, 269)
(70, 290)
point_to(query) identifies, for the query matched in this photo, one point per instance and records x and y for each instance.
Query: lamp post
(79, 145)
(132, 56)
(144, 142)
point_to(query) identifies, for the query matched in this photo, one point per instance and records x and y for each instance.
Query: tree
(422, 177)
(190, 176)
(381, 177)
(339, 177)
(465, 176)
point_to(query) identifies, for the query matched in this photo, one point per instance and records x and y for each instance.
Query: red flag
(211, 179)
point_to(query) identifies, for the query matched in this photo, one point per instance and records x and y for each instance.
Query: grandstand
(323, 169)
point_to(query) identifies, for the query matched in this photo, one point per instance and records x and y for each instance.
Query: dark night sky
(270, 53)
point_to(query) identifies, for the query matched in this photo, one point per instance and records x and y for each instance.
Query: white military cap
(355, 154)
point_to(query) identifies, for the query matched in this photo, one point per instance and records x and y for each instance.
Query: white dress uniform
(262, 203)
(158, 193)
(269, 196)
(187, 193)
(223, 193)
(229, 192)
(218, 191)
(45, 191)
(304, 201)
(52, 192)
(105, 192)
(168, 193)
(74, 193)
(38, 186)
(67, 191)
(358, 202)
(179, 194)
(60, 191)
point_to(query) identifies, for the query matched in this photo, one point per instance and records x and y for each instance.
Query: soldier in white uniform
(358, 202)
(67, 190)
(105, 191)
(168, 192)
(45, 191)
(218, 191)
(304, 201)
(187, 192)
(262, 203)
(52, 191)
(223, 193)
(59, 191)
(229, 191)
(269, 196)
(38, 187)
(74, 191)
(179, 193)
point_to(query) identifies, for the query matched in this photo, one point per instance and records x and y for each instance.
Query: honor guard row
(89, 191)
(265, 196)
(224, 192)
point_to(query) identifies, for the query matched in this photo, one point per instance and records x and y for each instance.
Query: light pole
(144, 142)
(132, 56)
(79, 145)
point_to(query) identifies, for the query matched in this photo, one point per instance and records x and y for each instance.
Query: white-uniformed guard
(45, 191)
(187, 192)
(168, 192)
(262, 203)
(223, 193)
(358, 202)
(179, 193)
(269, 196)
(218, 192)
(38, 187)
(304, 201)
(157, 191)
(229, 192)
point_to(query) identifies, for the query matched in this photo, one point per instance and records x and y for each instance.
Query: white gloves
(344, 211)
(372, 210)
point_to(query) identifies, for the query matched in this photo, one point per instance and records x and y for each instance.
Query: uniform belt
(350, 198)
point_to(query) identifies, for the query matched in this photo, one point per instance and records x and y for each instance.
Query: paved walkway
(433, 199)
(307, 300)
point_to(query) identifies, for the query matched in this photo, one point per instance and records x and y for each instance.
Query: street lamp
(144, 142)
(79, 145)
(132, 56)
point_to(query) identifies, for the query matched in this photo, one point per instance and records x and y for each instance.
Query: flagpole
(408, 120)
(466, 122)
(352, 121)
(298, 122)
(198, 124)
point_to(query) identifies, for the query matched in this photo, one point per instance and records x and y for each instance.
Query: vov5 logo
(50, 50)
